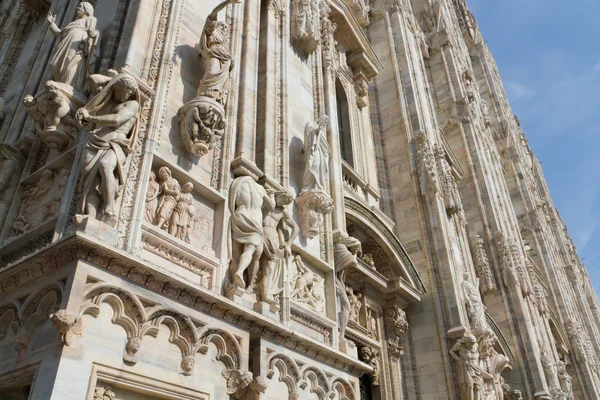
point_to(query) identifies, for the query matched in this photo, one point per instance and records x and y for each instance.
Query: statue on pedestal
(345, 251)
(202, 120)
(245, 243)
(114, 112)
(314, 202)
(76, 51)
(276, 250)
(474, 304)
(466, 352)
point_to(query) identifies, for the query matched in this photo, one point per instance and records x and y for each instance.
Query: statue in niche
(276, 249)
(151, 199)
(314, 202)
(169, 191)
(372, 324)
(466, 352)
(202, 120)
(114, 111)
(183, 214)
(355, 304)
(76, 51)
(474, 304)
(245, 243)
(565, 380)
(345, 252)
(308, 287)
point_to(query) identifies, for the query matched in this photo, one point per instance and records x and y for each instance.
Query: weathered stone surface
(276, 200)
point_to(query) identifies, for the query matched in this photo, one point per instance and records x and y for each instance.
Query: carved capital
(202, 124)
(312, 206)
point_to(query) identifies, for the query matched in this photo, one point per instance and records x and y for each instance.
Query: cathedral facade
(276, 199)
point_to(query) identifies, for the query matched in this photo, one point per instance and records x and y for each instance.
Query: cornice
(82, 247)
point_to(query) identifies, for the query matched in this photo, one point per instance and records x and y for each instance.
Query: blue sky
(548, 53)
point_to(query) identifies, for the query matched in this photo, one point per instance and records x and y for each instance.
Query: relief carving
(426, 164)
(345, 251)
(355, 304)
(169, 206)
(114, 112)
(2, 109)
(396, 325)
(11, 167)
(305, 25)
(450, 190)
(314, 202)
(361, 85)
(41, 200)
(372, 330)
(308, 287)
(495, 363)
(202, 120)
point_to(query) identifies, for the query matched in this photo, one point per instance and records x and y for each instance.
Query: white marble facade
(305, 199)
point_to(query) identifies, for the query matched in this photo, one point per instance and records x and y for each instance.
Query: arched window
(344, 123)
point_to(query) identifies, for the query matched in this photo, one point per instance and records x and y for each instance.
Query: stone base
(93, 227)
(348, 348)
(267, 309)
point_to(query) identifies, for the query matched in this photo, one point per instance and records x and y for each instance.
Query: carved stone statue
(54, 113)
(276, 249)
(245, 243)
(242, 385)
(50, 206)
(314, 202)
(308, 287)
(372, 324)
(183, 214)
(466, 352)
(76, 51)
(151, 199)
(68, 324)
(169, 191)
(474, 304)
(305, 28)
(550, 372)
(495, 362)
(114, 112)
(565, 380)
(316, 171)
(202, 120)
(355, 304)
(345, 251)
(11, 166)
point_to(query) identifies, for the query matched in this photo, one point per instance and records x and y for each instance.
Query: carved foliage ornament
(396, 325)
(426, 164)
(482, 265)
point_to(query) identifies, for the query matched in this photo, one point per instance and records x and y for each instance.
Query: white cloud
(517, 91)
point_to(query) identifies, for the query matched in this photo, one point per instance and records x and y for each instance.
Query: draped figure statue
(114, 111)
(214, 45)
(316, 171)
(77, 48)
(345, 251)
